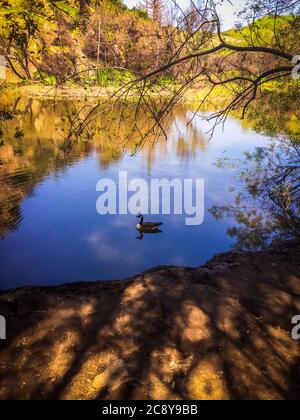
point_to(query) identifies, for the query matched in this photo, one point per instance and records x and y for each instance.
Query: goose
(147, 227)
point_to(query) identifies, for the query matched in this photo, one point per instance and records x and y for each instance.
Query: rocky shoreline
(221, 331)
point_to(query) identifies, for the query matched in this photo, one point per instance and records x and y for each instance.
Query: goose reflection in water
(147, 227)
(147, 233)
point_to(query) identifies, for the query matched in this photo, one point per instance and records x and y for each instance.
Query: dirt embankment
(222, 331)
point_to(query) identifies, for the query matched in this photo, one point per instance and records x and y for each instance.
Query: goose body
(147, 227)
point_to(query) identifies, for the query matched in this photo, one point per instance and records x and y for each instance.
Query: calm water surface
(49, 228)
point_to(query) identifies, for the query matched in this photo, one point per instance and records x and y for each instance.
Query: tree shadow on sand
(218, 332)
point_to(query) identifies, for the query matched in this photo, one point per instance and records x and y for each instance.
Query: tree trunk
(14, 70)
(99, 41)
(82, 4)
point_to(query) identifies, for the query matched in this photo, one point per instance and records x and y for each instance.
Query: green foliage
(140, 13)
(277, 112)
(65, 6)
(45, 78)
(110, 77)
(268, 31)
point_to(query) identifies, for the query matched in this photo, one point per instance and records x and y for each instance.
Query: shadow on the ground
(218, 332)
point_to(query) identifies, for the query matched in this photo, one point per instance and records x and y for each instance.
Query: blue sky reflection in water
(61, 238)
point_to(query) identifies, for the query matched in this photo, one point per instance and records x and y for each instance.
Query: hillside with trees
(104, 42)
(52, 41)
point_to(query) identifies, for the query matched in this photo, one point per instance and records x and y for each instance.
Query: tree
(154, 8)
(241, 62)
(20, 22)
(36, 40)
(82, 6)
(122, 38)
(207, 54)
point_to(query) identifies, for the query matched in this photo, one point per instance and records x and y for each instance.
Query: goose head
(140, 224)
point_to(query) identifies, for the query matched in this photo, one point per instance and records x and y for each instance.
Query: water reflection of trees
(267, 207)
(277, 114)
(270, 175)
(24, 163)
(113, 142)
(46, 119)
(22, 168)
